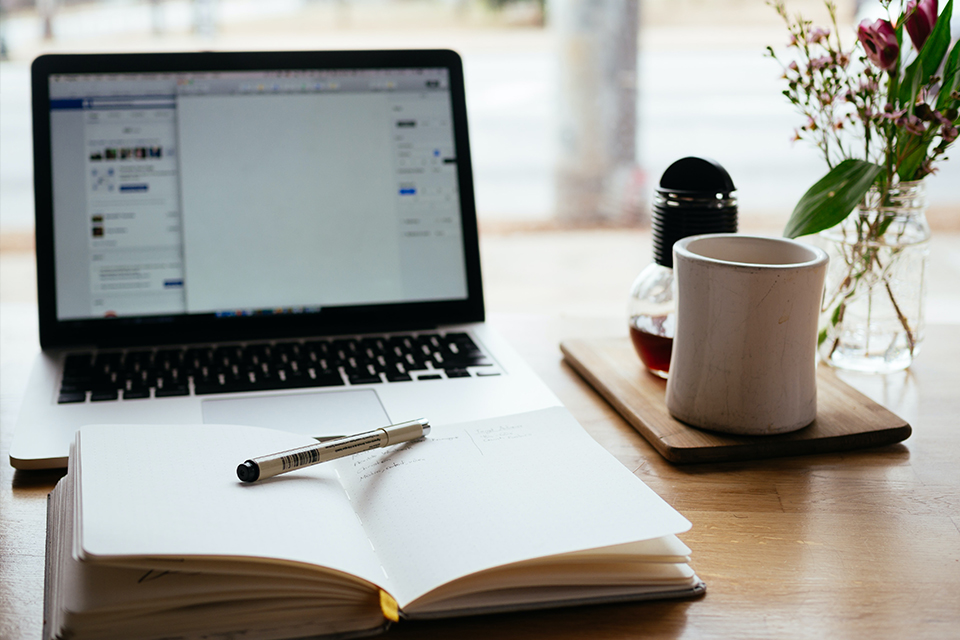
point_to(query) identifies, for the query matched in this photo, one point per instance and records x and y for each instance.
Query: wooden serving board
(846, 419)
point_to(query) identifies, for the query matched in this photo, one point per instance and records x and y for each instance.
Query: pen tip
(426, 429)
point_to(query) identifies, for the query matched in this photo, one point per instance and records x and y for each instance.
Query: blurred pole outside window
(598, 180)
(46, 9)
(204, 17)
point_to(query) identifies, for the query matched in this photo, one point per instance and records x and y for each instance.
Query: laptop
(279, 239)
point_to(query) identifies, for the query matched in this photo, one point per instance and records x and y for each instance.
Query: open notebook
(151, 535)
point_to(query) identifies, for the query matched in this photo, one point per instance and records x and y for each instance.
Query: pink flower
(924, 112)
(921, 17)
(911, 124)
(891, 115)
(927, 168)
(817, 34)
(948, 133)
(879, 40)
(820, 63)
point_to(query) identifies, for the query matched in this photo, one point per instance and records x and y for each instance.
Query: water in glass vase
(873, 305)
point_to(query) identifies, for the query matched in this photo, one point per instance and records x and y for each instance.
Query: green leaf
(951, 78)
(832, 198)
(835, 316)
(937, 44)
(915, 157)
(912, 149)
(928, 61)
(910, 86)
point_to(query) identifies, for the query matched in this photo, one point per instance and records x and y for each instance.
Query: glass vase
(872, 316)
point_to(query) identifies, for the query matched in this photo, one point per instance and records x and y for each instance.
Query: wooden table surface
(855, 545)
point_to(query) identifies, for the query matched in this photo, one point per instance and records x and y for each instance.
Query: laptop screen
(253, 192)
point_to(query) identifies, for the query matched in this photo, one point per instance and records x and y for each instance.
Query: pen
(284, 461)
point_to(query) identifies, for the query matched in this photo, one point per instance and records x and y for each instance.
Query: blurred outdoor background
(576, 107)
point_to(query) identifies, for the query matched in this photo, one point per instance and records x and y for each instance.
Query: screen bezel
(193, 328)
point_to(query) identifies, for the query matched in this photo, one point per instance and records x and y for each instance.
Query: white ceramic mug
(745, 353)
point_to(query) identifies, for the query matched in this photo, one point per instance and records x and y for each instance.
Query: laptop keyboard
(144, 373)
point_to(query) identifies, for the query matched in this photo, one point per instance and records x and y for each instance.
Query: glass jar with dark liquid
(695, 196)
(652, 317)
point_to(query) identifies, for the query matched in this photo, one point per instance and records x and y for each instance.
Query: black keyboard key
(135, 394)
(363, 377)
(225, 356)
(373, 347)
(69, 397)
(472, 361)
(75, 385)
(319, 349)
(432, 376)
(105, 365)
(264, 378)
(215, 386)
(432, 340)
(411, 362)
(143, 379)
(172, 356)
(196, 358)
(172, 390)
(107, 382)
(457, 373)
(77, 373)
(295, 379)
(170, 384)
(400, 345)
(397, 376)
(103, 395)
(266, 384)
(325, 379)
(78, 363)
(138, 360)
(462, 340)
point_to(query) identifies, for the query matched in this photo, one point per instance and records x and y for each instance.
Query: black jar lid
(694, 197)
(696, 175)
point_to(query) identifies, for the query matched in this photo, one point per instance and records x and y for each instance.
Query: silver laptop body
(285, 240)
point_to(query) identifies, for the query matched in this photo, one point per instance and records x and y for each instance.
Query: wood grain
(857, 544)
(846, 419)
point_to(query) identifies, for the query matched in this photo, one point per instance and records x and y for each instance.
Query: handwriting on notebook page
(439, 445)
(503, 432)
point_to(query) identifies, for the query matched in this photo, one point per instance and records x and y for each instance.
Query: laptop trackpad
(333, 413)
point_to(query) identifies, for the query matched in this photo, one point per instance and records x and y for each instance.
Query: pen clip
(326, 438)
